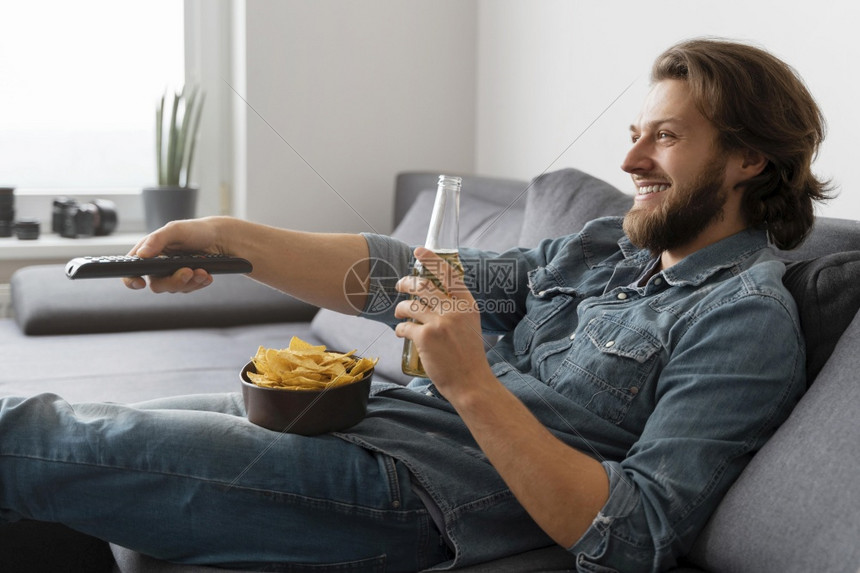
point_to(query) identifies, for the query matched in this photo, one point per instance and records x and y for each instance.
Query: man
(644, 364)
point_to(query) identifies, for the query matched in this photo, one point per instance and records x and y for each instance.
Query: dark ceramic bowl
(305, 412)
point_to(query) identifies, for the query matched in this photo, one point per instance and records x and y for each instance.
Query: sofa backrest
(503, 192)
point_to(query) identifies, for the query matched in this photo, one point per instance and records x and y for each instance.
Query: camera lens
(27, 229)
(7, 210)
(72, 219)
(106, 219)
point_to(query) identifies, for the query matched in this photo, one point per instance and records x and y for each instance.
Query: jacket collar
(699, 266)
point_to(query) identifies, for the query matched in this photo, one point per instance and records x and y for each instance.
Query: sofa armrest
(44, 301)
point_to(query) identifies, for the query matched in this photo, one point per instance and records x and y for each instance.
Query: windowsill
(52, 246)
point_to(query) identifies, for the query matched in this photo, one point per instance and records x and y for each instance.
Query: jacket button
(572, 336)
(634, 390)
(658, 281)
(622, 296)
(610, 343)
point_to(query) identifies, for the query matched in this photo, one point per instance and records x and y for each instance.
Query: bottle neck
(444, 231)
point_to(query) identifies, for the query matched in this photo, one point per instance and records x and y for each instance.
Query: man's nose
(638, 159)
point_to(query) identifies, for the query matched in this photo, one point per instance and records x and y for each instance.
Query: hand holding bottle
(444, 325)
(442, 239)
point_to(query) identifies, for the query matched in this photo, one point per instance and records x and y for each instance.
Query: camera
(72, 219)
(7, 211)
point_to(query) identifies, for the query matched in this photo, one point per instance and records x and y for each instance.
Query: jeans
(190, 480)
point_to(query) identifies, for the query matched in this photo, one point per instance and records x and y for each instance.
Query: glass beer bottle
(442, 239)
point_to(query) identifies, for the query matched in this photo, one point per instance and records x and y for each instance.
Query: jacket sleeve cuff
(590, 549)
(390, 259)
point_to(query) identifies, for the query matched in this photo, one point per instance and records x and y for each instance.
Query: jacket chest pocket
(547, 298)
(608, 365)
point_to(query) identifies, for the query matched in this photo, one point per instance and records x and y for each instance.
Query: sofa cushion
(827, 297)
(829, 235)
(795, 507)
(409, 184)
(46, 302)
(483, 224)
(137, 365)
(562, 202)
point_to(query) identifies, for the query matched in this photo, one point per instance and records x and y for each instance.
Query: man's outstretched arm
(309, 266)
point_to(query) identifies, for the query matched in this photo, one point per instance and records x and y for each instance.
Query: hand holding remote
(203, 236)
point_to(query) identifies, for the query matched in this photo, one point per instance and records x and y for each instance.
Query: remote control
(163, 265)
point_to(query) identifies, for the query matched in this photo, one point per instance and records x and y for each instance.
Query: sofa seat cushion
(135, 366)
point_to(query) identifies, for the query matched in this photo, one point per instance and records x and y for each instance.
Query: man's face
(678, 170)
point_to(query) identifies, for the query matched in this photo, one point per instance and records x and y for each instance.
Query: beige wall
(347, 94)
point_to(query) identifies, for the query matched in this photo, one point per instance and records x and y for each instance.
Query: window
(79, 83)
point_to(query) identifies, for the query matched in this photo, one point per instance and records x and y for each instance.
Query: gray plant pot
(165, 203)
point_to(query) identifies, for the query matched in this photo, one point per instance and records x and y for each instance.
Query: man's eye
(634, 138)
(663, 135)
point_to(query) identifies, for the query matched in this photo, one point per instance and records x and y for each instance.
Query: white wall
(547, 69)
(345, 95)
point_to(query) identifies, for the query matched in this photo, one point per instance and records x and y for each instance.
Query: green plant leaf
(175, 141)
(159, 129)
(192, 136)
(173, 135)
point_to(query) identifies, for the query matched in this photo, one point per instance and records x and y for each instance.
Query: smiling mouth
(649, 189)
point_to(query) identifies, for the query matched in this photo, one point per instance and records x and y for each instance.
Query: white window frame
(208, 61)
(208, 48)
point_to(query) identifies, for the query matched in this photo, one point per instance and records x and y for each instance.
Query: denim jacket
(672, 386)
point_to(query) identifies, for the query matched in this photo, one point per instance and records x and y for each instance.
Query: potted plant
(177, 119)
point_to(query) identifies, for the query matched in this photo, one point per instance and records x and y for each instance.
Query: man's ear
(752, 163)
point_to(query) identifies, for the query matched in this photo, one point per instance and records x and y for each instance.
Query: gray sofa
(796, 508)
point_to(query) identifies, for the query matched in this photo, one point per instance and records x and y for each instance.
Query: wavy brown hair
(758, 103)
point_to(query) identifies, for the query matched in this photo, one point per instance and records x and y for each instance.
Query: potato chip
(304, 366)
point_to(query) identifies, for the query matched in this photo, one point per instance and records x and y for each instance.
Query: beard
(683, 214)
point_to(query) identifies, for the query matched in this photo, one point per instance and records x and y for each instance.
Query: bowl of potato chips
(306, 389)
